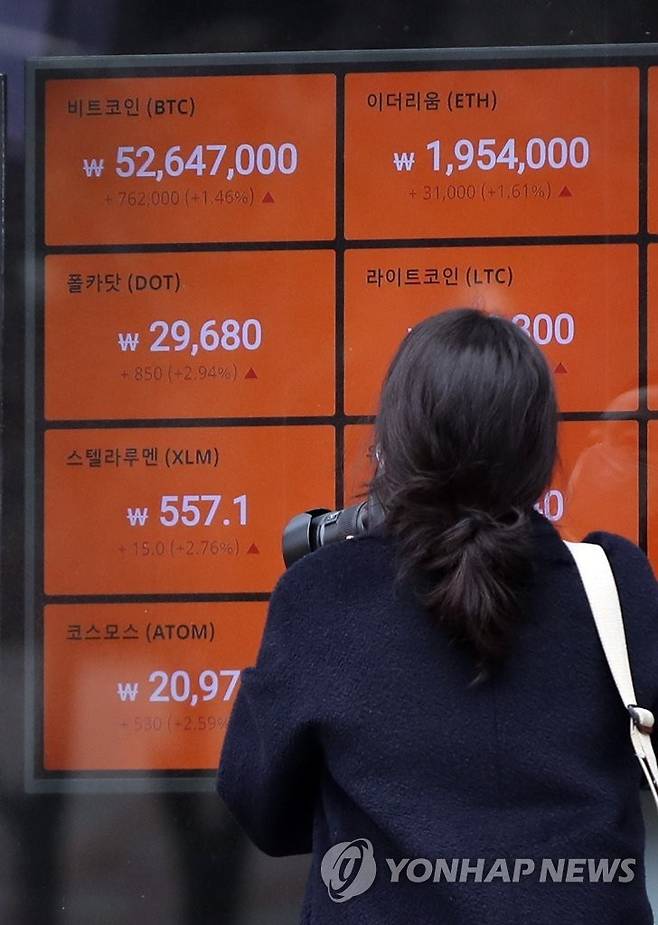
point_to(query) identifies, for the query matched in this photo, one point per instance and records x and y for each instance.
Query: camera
(309, 530)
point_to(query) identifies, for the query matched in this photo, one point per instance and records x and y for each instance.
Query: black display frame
(39, 72)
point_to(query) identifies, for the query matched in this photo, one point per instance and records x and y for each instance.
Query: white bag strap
(599, 583)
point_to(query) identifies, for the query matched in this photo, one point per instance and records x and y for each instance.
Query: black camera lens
(311, 529)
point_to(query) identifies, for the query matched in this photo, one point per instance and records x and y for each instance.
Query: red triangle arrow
(565, 191)
(253, 550)
(267, 198)
(250, 374)
(560, 368)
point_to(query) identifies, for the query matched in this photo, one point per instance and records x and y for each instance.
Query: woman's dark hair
(466, 437)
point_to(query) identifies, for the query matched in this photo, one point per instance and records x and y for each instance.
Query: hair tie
(477, 520)
(481, 520)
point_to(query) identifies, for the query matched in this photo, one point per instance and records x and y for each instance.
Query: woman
(431, 713)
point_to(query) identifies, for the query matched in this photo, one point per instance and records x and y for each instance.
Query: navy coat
(358, 725)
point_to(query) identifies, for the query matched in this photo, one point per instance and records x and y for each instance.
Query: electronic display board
(224, 253)
(491, 153)
(199, 508)
(598, 469)
(148, 332)
(153, 690)
(546, 289)
(170, 160)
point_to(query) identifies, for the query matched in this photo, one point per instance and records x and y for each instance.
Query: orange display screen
(149, 686)
(653, 150)
(189, 335)
(579, 303)
(652, 506)
(171, 159)
(223, 258)
(179, 509)
(491, 153)
(652, 326)
(594, 485)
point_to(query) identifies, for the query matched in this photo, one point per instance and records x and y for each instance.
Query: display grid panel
(223, 253)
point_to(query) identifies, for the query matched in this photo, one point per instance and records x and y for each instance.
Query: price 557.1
(194, 510)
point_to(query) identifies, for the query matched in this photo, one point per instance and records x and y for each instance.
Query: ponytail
(466, 437)
(473, 574)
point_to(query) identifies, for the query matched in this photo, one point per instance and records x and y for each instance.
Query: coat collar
(546, 538)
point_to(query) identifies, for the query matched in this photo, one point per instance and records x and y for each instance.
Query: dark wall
(151, 26)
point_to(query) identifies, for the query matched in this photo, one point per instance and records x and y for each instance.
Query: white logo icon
(348, 869)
